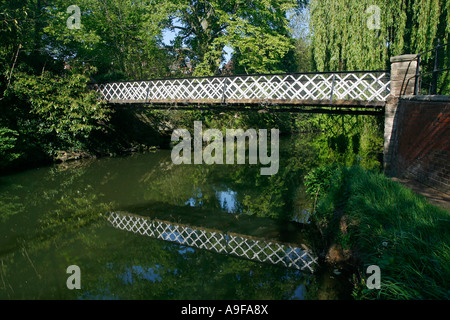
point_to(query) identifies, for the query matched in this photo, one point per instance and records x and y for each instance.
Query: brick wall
(423, 140)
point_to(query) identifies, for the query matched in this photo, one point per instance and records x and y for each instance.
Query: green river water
(53, 217)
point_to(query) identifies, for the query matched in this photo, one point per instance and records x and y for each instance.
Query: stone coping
(428, 98)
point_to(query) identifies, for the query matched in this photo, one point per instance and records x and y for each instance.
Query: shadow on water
(208, 218)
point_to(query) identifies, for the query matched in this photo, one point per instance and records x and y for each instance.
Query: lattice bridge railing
(272, 252)
(297, 88)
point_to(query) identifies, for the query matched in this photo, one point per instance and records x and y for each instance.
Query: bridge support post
(403, 79)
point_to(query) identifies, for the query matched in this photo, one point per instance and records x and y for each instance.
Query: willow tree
(352, 35)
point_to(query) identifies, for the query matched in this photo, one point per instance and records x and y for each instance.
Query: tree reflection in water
(53, 217)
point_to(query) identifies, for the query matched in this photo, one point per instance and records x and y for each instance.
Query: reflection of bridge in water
(244, 246)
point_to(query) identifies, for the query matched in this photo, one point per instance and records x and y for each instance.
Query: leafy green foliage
(341, 39)
(257, 32)
(121, 38)
(67, 110)
(318, 180)
(349, 140)
(8, 139)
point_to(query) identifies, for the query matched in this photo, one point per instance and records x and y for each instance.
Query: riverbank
(367, 219)
(127, 132)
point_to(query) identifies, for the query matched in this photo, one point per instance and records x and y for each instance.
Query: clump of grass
(394, 228)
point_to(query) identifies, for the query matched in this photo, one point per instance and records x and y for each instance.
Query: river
(53, 217)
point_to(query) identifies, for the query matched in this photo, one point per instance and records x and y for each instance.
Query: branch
(178, 27)
(14, 63)
(185, 49)
(226, 25)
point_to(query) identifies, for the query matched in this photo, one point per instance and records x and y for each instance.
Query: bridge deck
(254, 102)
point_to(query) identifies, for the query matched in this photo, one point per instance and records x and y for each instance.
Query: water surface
(53, 217)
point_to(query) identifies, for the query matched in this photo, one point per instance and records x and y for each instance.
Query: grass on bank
(387, 225)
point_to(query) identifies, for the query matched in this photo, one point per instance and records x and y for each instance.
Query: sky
(168, 36)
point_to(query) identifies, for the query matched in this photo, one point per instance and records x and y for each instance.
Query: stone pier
(403, 70)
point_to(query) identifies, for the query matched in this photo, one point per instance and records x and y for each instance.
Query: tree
(257, 32)
(121, 38)
(66, 112)
(299, 24)
(355, 35)
(44, 106)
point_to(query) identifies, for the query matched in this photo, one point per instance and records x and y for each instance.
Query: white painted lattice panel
(361, 86)
(240, 246)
